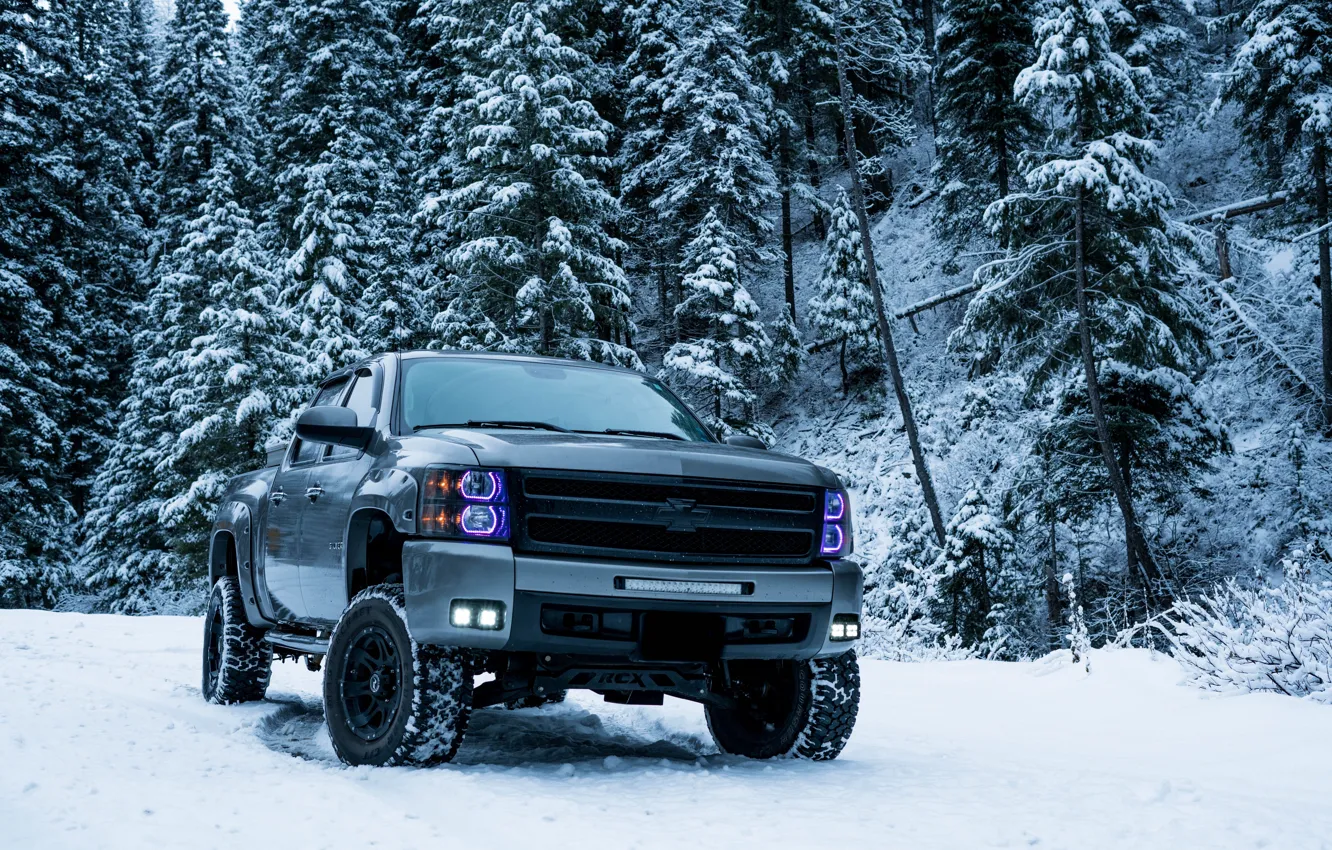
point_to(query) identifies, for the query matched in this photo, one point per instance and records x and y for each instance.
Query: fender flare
(233, 525)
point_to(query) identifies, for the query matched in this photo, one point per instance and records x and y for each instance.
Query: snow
(105, 742)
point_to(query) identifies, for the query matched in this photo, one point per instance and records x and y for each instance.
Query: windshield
(455, 391)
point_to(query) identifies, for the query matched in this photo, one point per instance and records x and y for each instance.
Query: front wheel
(387, 699)
(798, 709)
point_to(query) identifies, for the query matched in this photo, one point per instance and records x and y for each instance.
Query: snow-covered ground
(104, 742)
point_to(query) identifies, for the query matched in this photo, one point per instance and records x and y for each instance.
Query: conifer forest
(1046, 282)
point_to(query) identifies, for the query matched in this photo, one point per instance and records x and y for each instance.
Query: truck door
(332, 484)
(287, 502)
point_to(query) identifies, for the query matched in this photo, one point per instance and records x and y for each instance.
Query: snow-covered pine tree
(652, 33)
(532, 267)
(239, 372)
(970, 572)
(101, 145)
(1088, 213)
(125, 555)
(843, 308)
(724, 349)
(34, 278)
(339, 154)
(1282, 79)
(784, 37)
(714, 125)
(787, 354)
(982, 46)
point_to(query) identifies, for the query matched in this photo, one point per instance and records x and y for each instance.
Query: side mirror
(745, 441)
(333, 425)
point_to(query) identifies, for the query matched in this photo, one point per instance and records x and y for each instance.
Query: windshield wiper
(631, 432)
(496, 423)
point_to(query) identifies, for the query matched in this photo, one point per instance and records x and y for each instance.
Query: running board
(304, 644)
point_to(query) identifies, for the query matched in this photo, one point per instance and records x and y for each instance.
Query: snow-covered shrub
(1079, 642)
(1259, 639)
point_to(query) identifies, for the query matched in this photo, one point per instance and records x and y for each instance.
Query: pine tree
(1282, 79)
(339, 157)
(653, 37)
(532, 267)
(785, 37)
(970, 571)
(724, 349)
(982, 46)
(126, 555)
(1089, 213)
(713, 128)
(238, 373)
(787, 354)
(105, 246)
(34, 280)
(843, 308)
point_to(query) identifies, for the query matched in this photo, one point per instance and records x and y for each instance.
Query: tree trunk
(841, 361)
(812, 166)
(885, 332)
(663, 297)
(1324, 278)
(1054, 600)
(1001, 164)
(1136, 542)
(788, 249)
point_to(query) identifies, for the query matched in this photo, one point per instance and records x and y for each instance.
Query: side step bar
(303, 644)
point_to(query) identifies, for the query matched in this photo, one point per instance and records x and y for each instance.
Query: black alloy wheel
(389, 700)
(371, 684)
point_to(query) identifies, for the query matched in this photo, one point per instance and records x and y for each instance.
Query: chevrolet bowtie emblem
(681, 515)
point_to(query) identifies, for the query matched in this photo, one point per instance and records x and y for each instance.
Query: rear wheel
(800, 709)
(237, 661)
(387, 699)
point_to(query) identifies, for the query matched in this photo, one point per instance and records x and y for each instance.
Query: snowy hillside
(105, 743)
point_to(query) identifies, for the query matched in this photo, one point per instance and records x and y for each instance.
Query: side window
(362, 400)
(328, 394)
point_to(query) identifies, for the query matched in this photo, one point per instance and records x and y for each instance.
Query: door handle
(313, 493)
(277, 497)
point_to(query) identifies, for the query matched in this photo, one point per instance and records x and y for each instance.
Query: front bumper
(436, 572)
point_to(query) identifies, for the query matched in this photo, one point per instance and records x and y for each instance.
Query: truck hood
(647, 456)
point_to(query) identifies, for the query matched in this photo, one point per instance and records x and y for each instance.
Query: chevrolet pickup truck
(449, 531)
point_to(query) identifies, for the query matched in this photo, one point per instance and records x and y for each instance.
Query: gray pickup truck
(450, 531)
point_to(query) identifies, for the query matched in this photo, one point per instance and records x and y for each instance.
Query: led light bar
(699, 588)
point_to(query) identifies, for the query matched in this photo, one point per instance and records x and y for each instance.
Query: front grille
(638, 491)
(635, 537)
(658, 517)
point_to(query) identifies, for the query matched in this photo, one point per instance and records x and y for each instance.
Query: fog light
(844, 627)
(485, 614)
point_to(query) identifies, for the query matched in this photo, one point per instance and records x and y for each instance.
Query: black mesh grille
(664, 517)
(802, 501)
(634, 537)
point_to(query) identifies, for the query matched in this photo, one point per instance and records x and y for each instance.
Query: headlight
(836, 540)
(465, 503)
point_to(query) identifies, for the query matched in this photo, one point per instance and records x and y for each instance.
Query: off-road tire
(237, 661)
(433, 687)
(824, 698)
